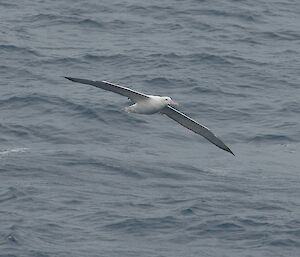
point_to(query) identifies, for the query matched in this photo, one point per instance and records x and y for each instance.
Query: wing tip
(69, 78)
(229, 151)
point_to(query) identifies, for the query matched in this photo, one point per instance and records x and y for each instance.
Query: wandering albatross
(150, 104)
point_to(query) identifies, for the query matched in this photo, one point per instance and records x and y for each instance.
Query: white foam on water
(14, 150)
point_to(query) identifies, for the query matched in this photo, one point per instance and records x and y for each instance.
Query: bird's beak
(173, 103)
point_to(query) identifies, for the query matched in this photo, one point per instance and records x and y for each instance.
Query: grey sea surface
(81, 177)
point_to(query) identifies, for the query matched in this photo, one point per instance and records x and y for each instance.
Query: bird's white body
(150, 104)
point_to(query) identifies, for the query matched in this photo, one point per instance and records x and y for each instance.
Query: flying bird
(150, 104)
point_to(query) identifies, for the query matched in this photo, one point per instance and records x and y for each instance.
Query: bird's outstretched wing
(189, 123)
(134, 96)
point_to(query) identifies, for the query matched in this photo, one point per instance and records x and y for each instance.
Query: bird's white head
(169, 101)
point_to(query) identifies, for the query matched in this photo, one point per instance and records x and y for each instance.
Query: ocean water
(81, 177)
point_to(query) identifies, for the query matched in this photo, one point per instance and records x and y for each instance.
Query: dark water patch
(133, 121)
(261, 206)
(13, 49)
(240, 15)
(188, 212)
(115, 59)
(103, 165)
(171, 26)
(137, 205)
(50, 104)
(81, 111)
(294, 224)
(254, 222)
(164, 174)
(172, 136)
(238, 60)
(90, 23)
(231, 189)
(189, 169)
(23, 72)
(8, 255)
(196, 58)
(158, 11)
(216, 228)
(44, 132)
(135, 77)
(10, 194)
(249, 40)
(207, 58)
(14, 130)
(291, 52)
(166, 56)
(140, 226)
(159, 81)
(164, 82)
(285, 125)
(229, 226)
(86, 112)
(285, 242)
(290, 35)
(16, 102)
(41, 17)
(270, 138)
(51, 19)
(202, 89)
(290, 107)
(138, 9)
(23, 101)
(295, 231)
(214, 91)
(12, 239)
(279, 35)
(58, 61)
(8, 5)
(122, 24)
(201, 25)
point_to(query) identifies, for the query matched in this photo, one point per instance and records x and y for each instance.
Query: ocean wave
(279, 35)
(241, 15)
(42, 17)
(161, 81)
(34, 133)
(11, 193)
(13, 150)
(43, 102)
(18, 50)
(165, 55)
(108, 165)
(290, 107)
(114, 59)
(110, 58)
(237, 60)
(144, 225)
(216, 227)
(195, 58)
(90, 23)
(267, 138)
(47, 19)
(58, 61)
(214, 91)
(8, 5)
(284, 242)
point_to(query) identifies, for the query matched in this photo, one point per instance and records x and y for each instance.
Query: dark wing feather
(134, 96)
(191, 124)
